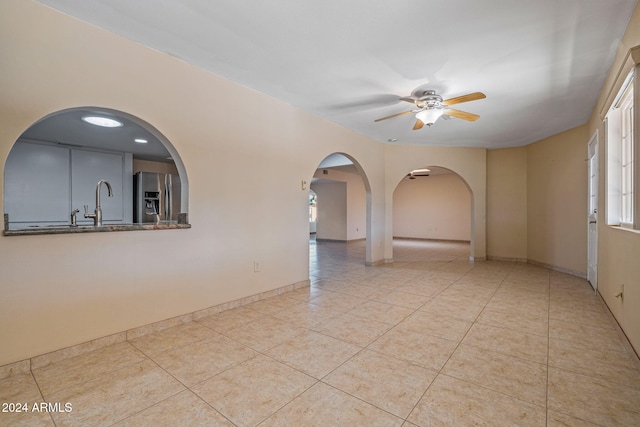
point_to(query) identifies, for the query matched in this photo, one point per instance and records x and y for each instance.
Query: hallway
(431, 339)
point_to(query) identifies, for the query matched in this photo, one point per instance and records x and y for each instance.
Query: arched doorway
(72, 150)
(433, 204)
(343, 197)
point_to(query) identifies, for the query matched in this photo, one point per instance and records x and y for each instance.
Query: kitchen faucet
(97, 214)
(73, 217)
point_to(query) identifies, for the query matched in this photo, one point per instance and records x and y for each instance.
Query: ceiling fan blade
(464, 98)
(418, 125)
(461, 114)
(394, 115)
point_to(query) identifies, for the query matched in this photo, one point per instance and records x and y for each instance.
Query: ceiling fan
(431, 106)
(417, 172)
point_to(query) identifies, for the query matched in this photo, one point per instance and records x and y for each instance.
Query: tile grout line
(404, 419)
(460, 342)
(186, 387)
(355, 279)
(439, 372)
(362, 349)
(35, 380)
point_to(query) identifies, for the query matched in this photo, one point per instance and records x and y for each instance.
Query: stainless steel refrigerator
(156, 198)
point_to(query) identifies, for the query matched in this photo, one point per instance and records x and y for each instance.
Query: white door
(592, 257)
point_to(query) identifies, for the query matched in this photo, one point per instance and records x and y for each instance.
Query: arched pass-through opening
(70, 151)
(343, 197)
(434, 204)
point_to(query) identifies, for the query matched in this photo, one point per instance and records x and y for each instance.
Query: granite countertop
(67, 229)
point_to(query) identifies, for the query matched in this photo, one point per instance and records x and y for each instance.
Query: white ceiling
(541, 63)
(68, 128)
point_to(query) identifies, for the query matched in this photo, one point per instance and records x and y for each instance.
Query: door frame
(592, 213)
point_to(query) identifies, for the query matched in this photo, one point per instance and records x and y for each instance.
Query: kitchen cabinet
(89, 167)
(37, 185)
(45, 182)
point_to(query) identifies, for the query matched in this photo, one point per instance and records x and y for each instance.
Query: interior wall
(157, 167)
(48, 301)
(356, 193)
(332, 210)
(507, 204)
(433, 207)
(557, 201)
(617, 249)
(356, 208)
(61, 290)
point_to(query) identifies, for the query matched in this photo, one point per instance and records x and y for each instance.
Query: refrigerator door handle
(167, 195)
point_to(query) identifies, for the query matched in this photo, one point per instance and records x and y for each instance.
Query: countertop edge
(92, 229)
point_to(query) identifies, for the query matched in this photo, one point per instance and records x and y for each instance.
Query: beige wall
(157, 167)
(618, 250)
(537, 202)
(356, 208)
(507, 204)
(61, 290)
(433, 207)
(355, 222)
(557, 201)
(332, 210)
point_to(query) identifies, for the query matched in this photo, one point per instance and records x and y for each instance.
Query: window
(621, 151)
(313, 208)
(626, 158)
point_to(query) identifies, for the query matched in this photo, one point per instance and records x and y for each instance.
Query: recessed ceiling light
(141, 140)
(102, 121)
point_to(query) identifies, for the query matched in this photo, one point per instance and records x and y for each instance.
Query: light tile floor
(430, 340)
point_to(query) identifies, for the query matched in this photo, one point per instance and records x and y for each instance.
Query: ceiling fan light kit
(431, 107)
(429, 116)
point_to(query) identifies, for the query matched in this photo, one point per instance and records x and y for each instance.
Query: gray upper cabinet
(44, 183)
(37, 185)
(89, 167)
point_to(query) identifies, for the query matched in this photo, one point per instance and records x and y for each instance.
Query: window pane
(627, 166)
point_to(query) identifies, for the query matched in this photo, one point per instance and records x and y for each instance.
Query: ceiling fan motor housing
(429, 99)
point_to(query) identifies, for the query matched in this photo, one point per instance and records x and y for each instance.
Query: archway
(68, 145)
(433, 203)
(344, 201)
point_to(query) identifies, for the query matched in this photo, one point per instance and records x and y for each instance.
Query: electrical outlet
(256, 266)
